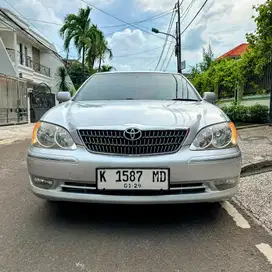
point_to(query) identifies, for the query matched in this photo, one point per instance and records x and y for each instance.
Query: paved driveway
(36, 236)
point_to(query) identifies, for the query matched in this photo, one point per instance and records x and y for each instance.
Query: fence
(13, 100)
(255, 85)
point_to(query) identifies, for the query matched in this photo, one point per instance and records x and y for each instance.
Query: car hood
(140, 114)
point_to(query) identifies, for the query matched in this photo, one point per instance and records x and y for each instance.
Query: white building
(26, 55)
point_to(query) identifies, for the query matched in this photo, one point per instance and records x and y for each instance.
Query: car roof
(138, 72)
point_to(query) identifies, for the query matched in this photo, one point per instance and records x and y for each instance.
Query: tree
(227, 76)
(97, 48)
(77, 74)
(77, 28)
(201, 74)
(103, 50)
(62, 83)
(261, 40)
(89, 41)
(208, 58)
(106, 68)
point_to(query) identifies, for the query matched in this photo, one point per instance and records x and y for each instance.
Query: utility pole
(178, 37)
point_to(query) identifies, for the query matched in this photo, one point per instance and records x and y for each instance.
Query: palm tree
(63, 84)
(97, 47)
(106, 68)
(76, 28)
(103, 49)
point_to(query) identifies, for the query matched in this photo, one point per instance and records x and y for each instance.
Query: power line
(155, 17)
(177, 41)
(184, 16)
(167, 54)
(167, 37)
(41, 21)
(138, 53)
(185, 13)
(22, 16)
(25, 19)
(204, 15)
(123, 28)
(150, 63)
(116, 18)
(23, 29)
(169, 59)
(194, 17)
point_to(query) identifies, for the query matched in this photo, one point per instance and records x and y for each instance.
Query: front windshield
(136, 86)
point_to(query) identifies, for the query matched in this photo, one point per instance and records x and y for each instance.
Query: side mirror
(63, 96)
(210, 97)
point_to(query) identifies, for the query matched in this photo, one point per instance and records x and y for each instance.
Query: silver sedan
(135, 138)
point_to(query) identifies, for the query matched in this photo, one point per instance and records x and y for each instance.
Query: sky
(221, 24)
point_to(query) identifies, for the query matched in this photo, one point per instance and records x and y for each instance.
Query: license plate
(132, 179)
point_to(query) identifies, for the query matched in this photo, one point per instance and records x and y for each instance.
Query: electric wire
(121, 20)
(167, 36)
(194, 17)
(30, 34)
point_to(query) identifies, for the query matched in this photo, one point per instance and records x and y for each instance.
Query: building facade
(29, 59)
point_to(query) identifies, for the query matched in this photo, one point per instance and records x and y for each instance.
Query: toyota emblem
(132, 134)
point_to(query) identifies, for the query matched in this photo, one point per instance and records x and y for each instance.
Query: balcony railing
(37, 67)
(11, 53)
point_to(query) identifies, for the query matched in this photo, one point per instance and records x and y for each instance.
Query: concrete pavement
(10, 134)
(256, 144)
(255, 197)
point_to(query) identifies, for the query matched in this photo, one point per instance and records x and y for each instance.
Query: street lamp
(177, 47)
(155, 30)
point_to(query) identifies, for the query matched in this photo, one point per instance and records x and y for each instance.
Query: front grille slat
(152, 142)
(178, 188)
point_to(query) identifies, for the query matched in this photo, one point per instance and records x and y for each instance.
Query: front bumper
(113, 199)
(186, 167)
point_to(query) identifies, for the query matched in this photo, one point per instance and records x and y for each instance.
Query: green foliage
(261, 40)
(76, 27)
(257, 114)
(225, 76)
(77, 74)
(208, 58)
(97, 48)
(222, 74)
(106, 68)
(62, 80)
(87, 38)
(261, 91)
(228, 75)
(72, 91)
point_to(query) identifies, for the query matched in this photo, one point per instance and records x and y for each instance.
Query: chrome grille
(151, 142)
(179, 188)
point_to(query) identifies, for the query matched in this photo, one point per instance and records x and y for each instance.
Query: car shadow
(131, 217)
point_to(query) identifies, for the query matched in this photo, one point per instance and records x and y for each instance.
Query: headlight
(52, 136)
(216, 136)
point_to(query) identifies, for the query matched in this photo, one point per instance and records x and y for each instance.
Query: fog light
(42, 183)
(225, 184)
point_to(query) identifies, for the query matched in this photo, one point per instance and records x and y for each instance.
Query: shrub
(249, 114)
(259, 114)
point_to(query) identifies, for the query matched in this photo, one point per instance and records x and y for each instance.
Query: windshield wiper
(184, 99)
